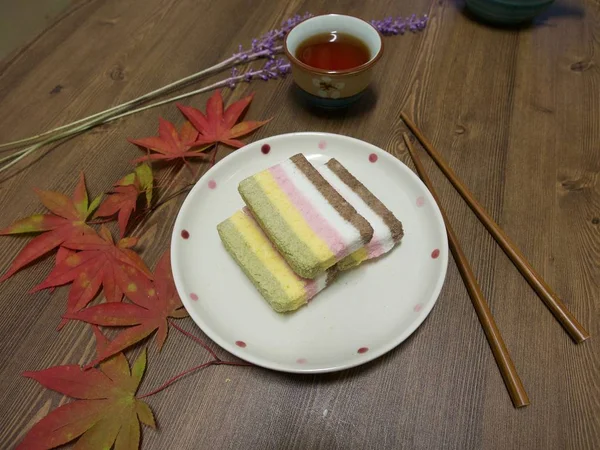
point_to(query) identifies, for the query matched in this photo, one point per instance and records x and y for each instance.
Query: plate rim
(366, 357)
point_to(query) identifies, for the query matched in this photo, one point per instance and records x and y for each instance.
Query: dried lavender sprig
(391, 26)
(273, 69)
(264, 47)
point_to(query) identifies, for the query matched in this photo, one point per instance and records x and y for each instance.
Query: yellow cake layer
(268, 256)
(353, 259)
(293, 217)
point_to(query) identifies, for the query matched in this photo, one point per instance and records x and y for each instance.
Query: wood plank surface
(516, 112)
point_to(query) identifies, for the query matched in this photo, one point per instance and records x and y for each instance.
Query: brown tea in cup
(333, 51)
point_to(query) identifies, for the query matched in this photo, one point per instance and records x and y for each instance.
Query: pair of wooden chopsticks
(555, 305)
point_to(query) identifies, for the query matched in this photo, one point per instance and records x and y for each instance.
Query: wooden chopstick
(505, 364)
(550, 299)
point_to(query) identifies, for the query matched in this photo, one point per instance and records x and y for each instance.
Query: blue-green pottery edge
(505, 12)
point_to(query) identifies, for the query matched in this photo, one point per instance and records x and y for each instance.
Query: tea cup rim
(350, 71)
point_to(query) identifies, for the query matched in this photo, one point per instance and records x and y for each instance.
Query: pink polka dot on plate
(418, 308)
(241, 344)
(212, 184)
(185, 234)
(322, 145)
(420, 201)
(363, 350)
(435, 254)
(373, 157)
(194, 296)
(301, 360)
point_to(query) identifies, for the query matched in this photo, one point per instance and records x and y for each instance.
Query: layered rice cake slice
(281, 287)
(308, 221)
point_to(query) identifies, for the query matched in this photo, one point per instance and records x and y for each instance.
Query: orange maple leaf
(170, 145)
(122, 200)
(99, 262)
(66, 222)
(107, 412)
(147, 313)
(218, 125)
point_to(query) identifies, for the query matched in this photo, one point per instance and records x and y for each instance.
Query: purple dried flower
(272, 70)
(283, 67)
(270, 43)
(277, 68)
(390, 26)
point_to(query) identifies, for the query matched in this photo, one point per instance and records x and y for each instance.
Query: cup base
(328, 103)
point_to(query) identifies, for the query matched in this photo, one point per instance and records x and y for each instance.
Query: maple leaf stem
(162, 201)
(170, 381)
(99, 222)
(213, 159)
(174, 379)
(196, 339)
(184, 189)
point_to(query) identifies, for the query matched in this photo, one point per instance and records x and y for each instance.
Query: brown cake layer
(376, 205)
(343, 208)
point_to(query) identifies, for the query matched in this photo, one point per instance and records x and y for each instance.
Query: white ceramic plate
(364, 314)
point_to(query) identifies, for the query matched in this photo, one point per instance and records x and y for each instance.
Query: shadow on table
(559, 9)
(361, 370)
(362, 107)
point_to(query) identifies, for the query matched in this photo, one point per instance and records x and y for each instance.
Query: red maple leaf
(218, 126)
(169, 144)
(123, 198)
(66, 222)
(99, 262)
(122, 201)
(107, 412)
(147, 313)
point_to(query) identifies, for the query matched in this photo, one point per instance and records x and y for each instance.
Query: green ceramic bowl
(507, 12)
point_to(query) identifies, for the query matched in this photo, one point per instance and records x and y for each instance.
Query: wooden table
(515, 112)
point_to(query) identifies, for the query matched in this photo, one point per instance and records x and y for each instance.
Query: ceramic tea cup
(333, 88)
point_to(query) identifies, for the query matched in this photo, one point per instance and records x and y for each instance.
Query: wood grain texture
(514, 112)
